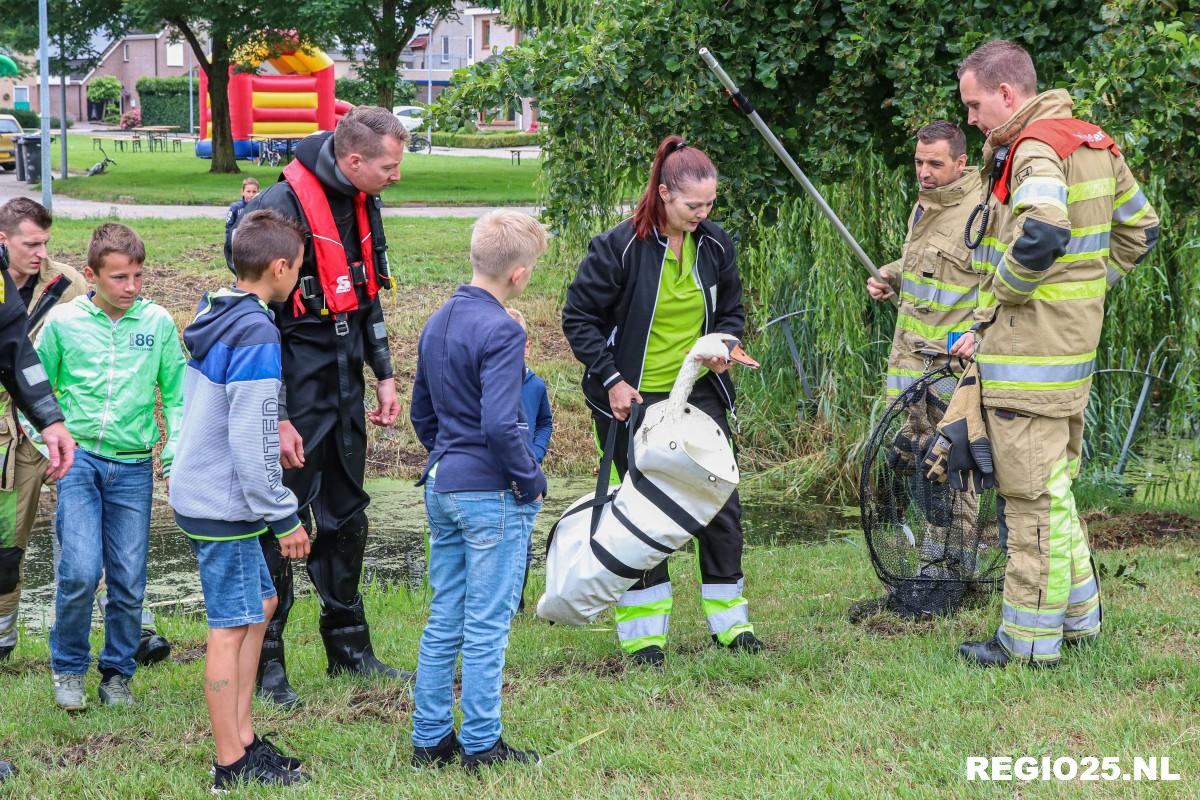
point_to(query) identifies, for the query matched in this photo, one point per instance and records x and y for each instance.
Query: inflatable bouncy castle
(294, 103)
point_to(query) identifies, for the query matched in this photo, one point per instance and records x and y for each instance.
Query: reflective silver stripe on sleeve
(1089, 243)
(1114, 274)
(380, 330)
(1039, 190)
(1018, 284)
(35, 374)
(1125, 211)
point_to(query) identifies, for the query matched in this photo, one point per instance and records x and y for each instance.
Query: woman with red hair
(645, 292)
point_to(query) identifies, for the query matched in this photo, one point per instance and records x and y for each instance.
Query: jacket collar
(702, 231)
(476, 293)
(1054, 104)
(47, 274)
(134, 312)
(967, 187)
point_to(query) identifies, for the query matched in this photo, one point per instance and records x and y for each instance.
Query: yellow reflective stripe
(1089, 190)
(1103, 227)
(1126, 195)
(1031, 386)
(986, 300)
(1071, 290)
(910, 323)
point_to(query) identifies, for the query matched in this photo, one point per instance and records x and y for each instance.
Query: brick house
(128, 58)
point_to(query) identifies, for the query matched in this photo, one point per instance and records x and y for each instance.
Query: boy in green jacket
(105, 353)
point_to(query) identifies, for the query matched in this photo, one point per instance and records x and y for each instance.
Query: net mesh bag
(932, 547)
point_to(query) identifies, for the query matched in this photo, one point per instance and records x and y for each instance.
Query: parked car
(9, 130)
(411, 117)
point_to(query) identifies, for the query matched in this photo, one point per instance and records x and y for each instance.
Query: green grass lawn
(879, 709)
(183, 179)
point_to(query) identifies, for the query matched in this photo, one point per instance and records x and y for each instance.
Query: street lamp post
(44, 92)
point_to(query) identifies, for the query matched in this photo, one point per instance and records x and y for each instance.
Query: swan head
(725, 346)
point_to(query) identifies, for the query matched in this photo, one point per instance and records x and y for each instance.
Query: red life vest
(333, 268)
(1065, 135)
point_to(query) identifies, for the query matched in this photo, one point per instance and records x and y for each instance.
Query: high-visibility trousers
(1050, 592)
(643, 613)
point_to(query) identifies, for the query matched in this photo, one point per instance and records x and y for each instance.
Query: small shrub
(497, 139)
(131, 119)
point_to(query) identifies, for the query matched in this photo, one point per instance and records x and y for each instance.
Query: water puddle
(396, 545)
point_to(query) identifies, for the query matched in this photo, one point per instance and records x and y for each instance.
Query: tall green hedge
(165, 101)
(30, 119)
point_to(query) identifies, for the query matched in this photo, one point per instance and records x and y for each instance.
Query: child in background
(483, 489)
(539, 423)
(249, 191)
(229, 486)
(105, 354)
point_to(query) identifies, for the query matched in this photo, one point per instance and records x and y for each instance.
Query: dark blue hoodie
(227, 482)
(466, 405)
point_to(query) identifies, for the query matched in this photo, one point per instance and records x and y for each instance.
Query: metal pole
(44, 91)
(62, 82)
(742, 103)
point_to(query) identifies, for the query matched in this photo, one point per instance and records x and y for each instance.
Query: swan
(682, 472)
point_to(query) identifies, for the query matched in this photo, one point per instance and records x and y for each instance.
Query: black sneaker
(253, 767)
(652, 656)
(442, 754)
(270, 752)
(6, 769)
(152, 648)
(745, 642)
(497, 754)
(6, 651)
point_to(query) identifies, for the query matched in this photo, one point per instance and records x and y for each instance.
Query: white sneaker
(68, 692)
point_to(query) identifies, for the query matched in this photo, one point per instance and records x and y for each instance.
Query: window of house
(470, 48)
(445, 49)
(175, 54)
(485, 34)
(125, 52)
(20, 94)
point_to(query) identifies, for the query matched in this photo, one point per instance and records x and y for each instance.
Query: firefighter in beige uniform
(1066, 220)
(42, 284)
(938, 290)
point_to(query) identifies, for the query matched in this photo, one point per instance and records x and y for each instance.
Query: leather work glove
(961, 450)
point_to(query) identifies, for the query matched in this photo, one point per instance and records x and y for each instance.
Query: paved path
(72, 208)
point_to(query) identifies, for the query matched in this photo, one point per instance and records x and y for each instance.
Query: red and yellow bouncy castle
(294, 103)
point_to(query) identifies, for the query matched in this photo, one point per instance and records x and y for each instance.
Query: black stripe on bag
(663, 503)
(639, 533)
(614, 564)
(595, 502)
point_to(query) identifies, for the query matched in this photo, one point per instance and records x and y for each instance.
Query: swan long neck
(689, 373)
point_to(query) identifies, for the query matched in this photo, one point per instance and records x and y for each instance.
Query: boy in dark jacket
(249, 192)
(539, 425)
(228, 487)
(483, 489)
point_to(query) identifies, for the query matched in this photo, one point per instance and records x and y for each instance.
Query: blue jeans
(102, 522)
(477, 548)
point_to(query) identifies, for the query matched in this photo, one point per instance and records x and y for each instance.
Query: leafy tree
(215, 30)
(382, 29)
(832, 78)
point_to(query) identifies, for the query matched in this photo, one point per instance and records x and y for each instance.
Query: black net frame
(932, 547)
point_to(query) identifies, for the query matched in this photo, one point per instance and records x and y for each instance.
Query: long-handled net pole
(743, 104)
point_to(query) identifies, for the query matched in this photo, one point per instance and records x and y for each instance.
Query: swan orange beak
(736, 353)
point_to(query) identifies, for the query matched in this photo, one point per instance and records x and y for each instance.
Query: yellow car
(9, 130)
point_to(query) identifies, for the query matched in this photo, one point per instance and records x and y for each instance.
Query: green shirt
(105, 374)
(678, 319)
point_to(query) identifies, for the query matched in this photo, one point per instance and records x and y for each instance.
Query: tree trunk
(223, 159)
(388, 60)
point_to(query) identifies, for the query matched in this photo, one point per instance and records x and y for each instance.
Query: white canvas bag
(681, 473)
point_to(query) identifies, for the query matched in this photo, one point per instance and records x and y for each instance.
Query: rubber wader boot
(272, 678)
(349, 650)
